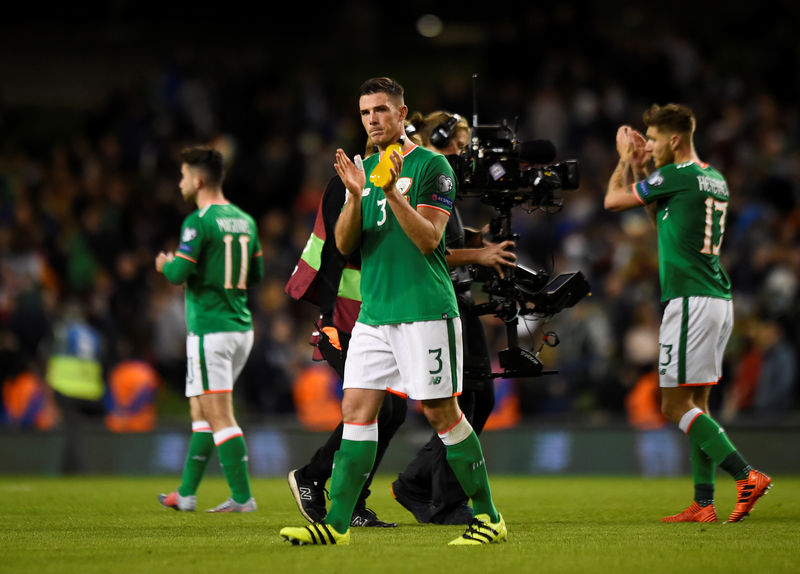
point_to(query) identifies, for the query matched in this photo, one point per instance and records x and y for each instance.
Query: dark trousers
(390, 418)
(428, 476)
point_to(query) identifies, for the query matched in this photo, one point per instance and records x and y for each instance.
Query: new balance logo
(305, 493)
(436, 380)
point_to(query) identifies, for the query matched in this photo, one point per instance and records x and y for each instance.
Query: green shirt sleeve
(178, 270)
(662, 183)
(438, 190)
(256, 268)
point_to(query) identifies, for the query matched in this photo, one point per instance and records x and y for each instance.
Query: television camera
(505, 173)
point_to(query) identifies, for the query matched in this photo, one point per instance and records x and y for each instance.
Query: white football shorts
(692, 339)
(214, 361)
(420, 360)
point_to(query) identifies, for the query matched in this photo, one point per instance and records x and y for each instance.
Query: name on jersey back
(233, 225)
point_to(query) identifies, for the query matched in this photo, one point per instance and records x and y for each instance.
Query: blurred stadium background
(96, 100)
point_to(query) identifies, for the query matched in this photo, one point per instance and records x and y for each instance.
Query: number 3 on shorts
(438, 358)
(666, 355)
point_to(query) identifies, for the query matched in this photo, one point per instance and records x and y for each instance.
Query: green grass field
(555, 524)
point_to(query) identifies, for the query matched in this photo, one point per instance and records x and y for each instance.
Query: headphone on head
(443, 133)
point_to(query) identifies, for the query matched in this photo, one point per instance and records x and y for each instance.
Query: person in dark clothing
(427, 487)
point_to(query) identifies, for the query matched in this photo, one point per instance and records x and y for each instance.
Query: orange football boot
(748, 492)
(695, 513)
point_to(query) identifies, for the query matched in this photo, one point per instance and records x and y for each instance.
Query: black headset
(443, 133)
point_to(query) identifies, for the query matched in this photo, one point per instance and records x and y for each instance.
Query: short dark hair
(382, 86)
(674, 118)
(208, 159)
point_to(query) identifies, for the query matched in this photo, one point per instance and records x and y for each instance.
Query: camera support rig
(524, 291)
(492, 168)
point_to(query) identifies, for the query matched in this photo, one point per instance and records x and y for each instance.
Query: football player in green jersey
(688, 200)
(407, 339)
(218, 258)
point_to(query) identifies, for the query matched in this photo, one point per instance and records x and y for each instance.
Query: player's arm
(256, 271)
(424, 225)
(621, 193)
(176, 267)
(348, 226)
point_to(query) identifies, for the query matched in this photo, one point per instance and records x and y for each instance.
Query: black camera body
(534, 290)
(504, 172)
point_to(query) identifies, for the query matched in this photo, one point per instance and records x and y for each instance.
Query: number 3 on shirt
(382, 206)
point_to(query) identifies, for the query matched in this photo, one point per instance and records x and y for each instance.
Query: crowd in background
(88, 197)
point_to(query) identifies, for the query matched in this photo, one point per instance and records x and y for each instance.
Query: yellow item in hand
(380, 175)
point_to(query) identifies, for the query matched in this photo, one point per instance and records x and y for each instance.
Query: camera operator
(427, 487)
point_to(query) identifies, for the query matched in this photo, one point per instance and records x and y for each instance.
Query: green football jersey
(399, 284)
(218, 257)
(691, 207)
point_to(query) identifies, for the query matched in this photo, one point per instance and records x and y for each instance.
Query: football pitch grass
(556, 524)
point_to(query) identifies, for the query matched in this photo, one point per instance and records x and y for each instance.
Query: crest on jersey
(188, 234)
(655, 178)
(403, 184)
(444, 183)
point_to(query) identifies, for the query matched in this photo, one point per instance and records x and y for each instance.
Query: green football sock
(706, 434)
(466, 460)
(201, 447)
(711, 438)
(352, 464)
(233, 459)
